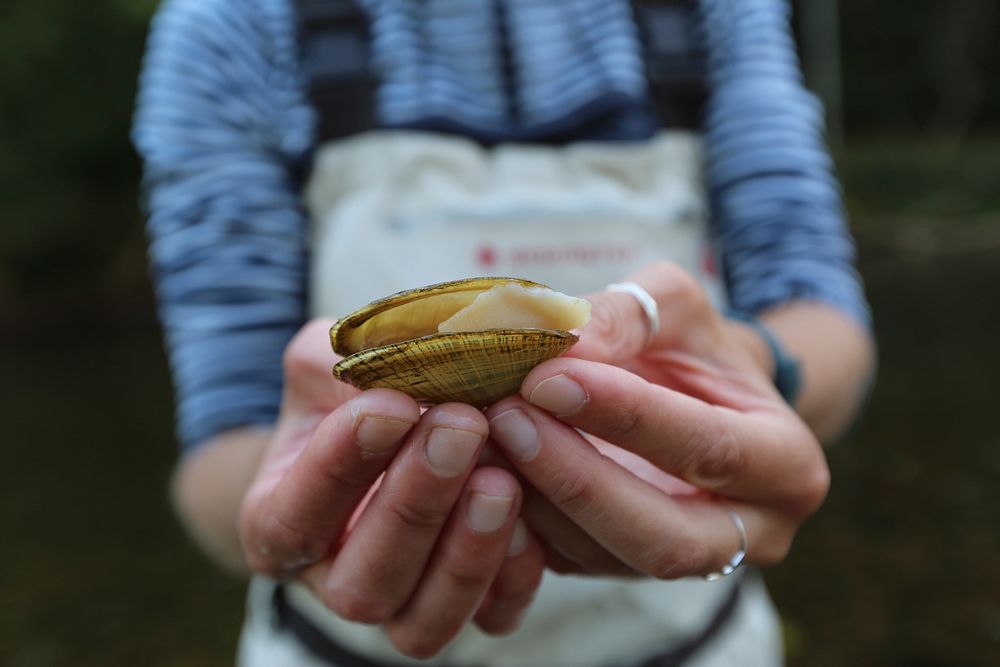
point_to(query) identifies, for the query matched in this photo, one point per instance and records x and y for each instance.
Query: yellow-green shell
(392, 343)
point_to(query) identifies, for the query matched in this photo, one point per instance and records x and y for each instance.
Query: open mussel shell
(475, 367)
(393, 343)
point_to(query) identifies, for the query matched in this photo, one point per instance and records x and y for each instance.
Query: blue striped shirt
(223, 121)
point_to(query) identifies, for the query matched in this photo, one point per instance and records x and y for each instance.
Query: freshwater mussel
(471, 341)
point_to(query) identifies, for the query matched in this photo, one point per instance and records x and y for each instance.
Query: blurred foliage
(921, 66)
(68, 176)
(892, 178)
(67, 172)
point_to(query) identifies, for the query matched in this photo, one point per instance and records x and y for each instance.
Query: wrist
(769, 354)
(207, 491)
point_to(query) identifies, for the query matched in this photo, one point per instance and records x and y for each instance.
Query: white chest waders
(397, 210)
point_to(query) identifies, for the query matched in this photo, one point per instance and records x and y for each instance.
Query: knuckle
(412, 643)
(504, 615)
(514, 585)
(513, 603)
(464, 578)
(627, 418)
(420, 640)
(815, 486)
(505, 622)
(682, 559)
(528, 587)
(351, 606)
(299, 354)
(341, 477)
(682, 285)
(574, 494)
(809, 478)
(817, 481)
(663, 268)
(419, 516)
(608, 326)
(247, 522)
(604, 321)
(277, 536)
(719, 459)
(295, 358)
(772, 551)
(688, 290)
(256, 551)
(259, 562)
(688, 300)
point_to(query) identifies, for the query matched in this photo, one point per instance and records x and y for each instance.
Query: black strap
(335, 56)
(287, 618)
(320, 645)
(678, 655)
(335, 53)
(676, 59)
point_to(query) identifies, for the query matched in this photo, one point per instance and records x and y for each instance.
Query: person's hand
(382, 511)
(679, 428)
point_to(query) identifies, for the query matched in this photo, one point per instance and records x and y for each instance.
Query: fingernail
(559, 395)
(518, 539)
(487, 513)
(380, 434)
(515, 433)
(450, 450)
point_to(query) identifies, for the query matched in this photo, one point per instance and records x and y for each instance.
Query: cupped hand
(645, 444)
(382, 511)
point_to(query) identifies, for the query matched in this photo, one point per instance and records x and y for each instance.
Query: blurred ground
(896, 569)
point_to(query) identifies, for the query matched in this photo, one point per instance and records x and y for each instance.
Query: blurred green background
(898, 568)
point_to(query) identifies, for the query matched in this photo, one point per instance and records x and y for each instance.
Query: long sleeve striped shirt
(223, 123)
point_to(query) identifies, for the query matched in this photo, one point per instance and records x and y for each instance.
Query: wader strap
(335, 52)
(335, 55)
(676, 60)
(287, 618)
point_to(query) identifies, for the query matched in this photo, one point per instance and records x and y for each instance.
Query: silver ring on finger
(737, 558)
(646, 302)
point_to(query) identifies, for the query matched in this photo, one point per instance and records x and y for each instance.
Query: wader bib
(396, 210)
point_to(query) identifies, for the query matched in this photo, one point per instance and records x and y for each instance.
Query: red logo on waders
(486, 256)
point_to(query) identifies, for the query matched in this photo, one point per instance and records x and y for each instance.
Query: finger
(295, 520)
(761, 455)
(515, 585)
(643, 527)
(571, 548)
(379, 564)
(559, 563)
(619, 329)
(470, 552)
(566, 547)
(308, 361)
